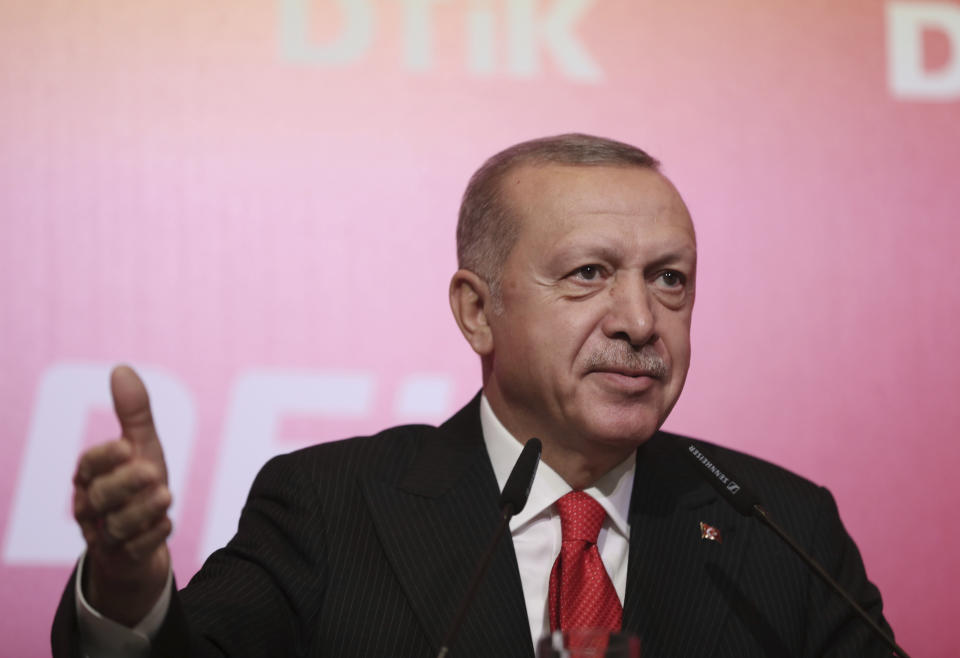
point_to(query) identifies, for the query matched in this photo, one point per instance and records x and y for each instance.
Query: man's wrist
(104, 636)
(121, 590)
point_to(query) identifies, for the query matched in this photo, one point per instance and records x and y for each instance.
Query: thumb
(132, 406)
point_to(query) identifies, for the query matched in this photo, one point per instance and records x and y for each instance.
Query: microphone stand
(747, 503)
(512, 500)
(761, 513)
(475, 583)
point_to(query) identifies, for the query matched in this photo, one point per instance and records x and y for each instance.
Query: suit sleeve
(254, 597)
(261, 593)
(833, 627)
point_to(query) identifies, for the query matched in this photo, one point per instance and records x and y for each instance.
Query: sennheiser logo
(713, 469)
(733, 487)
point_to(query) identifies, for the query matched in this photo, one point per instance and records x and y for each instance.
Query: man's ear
(471, 303)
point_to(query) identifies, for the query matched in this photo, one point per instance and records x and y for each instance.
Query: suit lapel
(671, 576)
(435, 523)
(437, 519)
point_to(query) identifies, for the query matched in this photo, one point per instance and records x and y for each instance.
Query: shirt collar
(612, 491)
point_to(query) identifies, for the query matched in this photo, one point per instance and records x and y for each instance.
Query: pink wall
(258, 203)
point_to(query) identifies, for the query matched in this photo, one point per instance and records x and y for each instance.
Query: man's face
(592, 342)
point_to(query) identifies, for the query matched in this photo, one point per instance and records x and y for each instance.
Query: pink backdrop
(255, 204)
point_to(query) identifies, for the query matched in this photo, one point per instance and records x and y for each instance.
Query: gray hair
(487, 229)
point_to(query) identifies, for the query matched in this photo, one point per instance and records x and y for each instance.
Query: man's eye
(587, 272)
(672, 279)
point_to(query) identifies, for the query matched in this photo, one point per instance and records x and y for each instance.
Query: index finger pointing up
(132, 405)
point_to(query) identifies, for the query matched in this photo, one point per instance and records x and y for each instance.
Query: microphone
(512, 500)
(517, 489)
(748, 503)
(743, 500)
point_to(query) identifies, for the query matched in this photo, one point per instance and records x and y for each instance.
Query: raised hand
(120, 500)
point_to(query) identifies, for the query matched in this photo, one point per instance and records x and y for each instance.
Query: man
(576, 287)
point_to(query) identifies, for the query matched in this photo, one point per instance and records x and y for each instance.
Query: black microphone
(513, 498)
(517, 489)
(743, 500)
(748, 503)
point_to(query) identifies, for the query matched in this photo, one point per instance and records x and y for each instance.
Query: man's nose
(631, 315)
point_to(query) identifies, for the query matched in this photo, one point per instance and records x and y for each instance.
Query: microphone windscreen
(517, 488)
(726, 483)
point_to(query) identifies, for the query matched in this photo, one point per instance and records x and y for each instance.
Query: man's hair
(487, 228)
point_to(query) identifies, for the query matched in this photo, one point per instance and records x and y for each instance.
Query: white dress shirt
(104, 638)
(536, 539)
(536, 530)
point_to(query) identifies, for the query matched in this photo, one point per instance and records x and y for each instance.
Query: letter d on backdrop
(41, 530)
(906, 23)
(351, 43)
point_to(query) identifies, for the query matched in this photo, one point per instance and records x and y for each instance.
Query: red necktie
(581, 593)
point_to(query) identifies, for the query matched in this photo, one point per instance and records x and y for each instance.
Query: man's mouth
(626, 381)
(635, 373)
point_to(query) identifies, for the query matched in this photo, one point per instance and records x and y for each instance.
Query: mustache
(620, 357)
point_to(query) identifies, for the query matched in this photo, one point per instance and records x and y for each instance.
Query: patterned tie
(581, 593)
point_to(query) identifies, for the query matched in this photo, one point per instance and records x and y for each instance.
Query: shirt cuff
(100, 636)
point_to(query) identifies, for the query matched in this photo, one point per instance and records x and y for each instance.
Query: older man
(576, 287)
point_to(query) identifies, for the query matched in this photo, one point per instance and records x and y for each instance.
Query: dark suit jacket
(365, 547)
